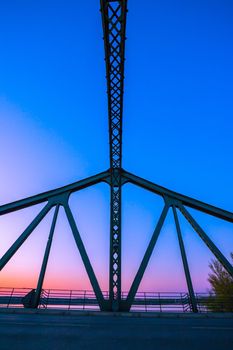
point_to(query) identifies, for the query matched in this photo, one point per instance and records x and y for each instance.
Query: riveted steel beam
(126, 305)
(49, 195)
(114, 23)
(221, 258)
(85, 258)
(175, 196)
(36, 298)
(185, 262)
(22, 238)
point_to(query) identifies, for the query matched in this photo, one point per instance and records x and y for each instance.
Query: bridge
(114, 14)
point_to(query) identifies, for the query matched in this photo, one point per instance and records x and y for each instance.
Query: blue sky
(177, 111)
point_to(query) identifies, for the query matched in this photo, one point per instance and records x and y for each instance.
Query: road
(68, 332)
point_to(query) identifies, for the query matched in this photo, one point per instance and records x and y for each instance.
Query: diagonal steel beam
(46, 196)
(137, 280)
(36, 298)
(85, 258)
(13, 249)
(188, 201)
(185, 262)
(207, 240)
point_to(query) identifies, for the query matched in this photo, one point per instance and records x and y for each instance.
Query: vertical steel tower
(114, 21)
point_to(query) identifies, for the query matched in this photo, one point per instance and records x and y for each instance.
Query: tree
(221, 294)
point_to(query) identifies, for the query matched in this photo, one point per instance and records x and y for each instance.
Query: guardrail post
(10, 297)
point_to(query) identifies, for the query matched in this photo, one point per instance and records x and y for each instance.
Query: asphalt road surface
(36, 331)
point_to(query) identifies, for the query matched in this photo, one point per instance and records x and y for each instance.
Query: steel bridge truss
(60, 197)
(114, 28)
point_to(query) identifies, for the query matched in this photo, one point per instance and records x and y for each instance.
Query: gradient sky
(177, 131)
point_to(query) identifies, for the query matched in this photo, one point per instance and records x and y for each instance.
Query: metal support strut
(114, 21)
(36, 299)
(185, 262)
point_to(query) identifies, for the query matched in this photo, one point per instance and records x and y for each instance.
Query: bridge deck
(46, 331)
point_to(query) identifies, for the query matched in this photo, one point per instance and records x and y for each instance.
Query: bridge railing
(213, 303)
(69, 299)
(160, 302)
(13, 297)
(144, 301)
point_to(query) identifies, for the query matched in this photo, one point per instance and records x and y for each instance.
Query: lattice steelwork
(114, 21)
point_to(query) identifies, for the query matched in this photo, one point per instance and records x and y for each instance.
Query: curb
(114, 314)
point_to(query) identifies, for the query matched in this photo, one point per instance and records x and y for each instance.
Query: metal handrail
(144, 301)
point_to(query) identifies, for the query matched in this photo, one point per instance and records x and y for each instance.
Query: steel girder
(36, 299)
(193, 301)
(58, 192)
(188, 201)
(114, 22)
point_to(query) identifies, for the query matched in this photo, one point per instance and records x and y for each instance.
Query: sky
(177, 132)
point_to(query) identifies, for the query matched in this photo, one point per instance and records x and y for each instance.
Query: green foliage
(221, 295)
